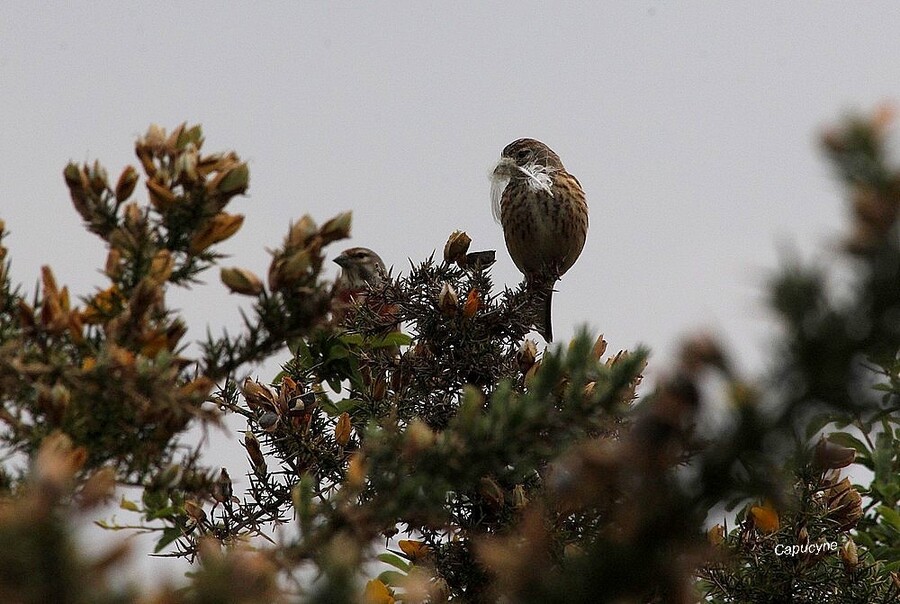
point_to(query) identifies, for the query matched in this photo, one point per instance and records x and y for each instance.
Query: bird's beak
(505, 168)
(342, 261)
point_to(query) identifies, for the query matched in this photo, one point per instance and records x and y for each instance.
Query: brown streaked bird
(361, 268)
(544, 217)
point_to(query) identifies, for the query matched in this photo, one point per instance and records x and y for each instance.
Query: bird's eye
(522, 154)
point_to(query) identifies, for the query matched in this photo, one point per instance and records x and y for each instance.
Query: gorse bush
(415, 446)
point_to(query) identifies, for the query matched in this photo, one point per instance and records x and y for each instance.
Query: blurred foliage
(416, 446)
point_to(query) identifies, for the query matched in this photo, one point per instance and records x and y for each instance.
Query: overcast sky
(691, 125)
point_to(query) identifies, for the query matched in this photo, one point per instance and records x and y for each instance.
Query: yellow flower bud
(716, 535)
(473, 302)
(414, 550)
(765, 518)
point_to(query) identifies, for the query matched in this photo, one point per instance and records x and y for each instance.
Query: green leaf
(352, 339)
(819, 422)
(154, 500)
(395, 338)
(347, 405)
(882, 457)
(169, 535)
(338, 351)
(300, 349)
(847, 440)
(235, 180)
(302, 496)
(395, 561)
(334, 383)
(890, 516)
(392, 578)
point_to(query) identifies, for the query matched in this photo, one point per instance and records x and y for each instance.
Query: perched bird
(544, 217)
(361, 268)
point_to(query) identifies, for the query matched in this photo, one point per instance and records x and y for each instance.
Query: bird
(361, 268)
(544, 215)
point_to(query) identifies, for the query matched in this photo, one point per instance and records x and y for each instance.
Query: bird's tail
(541, 295)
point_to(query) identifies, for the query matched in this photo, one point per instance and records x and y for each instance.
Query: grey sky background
(691, 125)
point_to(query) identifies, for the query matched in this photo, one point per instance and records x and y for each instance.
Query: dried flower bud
(833, 140)
(477, 261)
(255, 453)
(58, 460)
(231, 181)
(296, 266)
(300, 232)
(491, 492)
(125, 186)
(222, 489)
(194, 510)
(448, 300)
(588, 390)
(849, 555)
(456, 247)
(599, 347)
(161, 266)
(336, 228)
(342, 429)
(830, 456)
(531, 373)
(418, 437)
(258, 397)
(26, 314)
(135, 220)
(186, 165)
(241, 281)
(113, 268)
(98, 488)
(847, 509)
(161, 196)
(99, 179)
(526, 355)
(155, 137)
(473, 302)
(171, 143)
(519, 499)
(78, 184)
(219, 228)
(378, 389)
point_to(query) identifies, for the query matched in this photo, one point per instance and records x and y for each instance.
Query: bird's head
(360, 266)
(528, 161)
